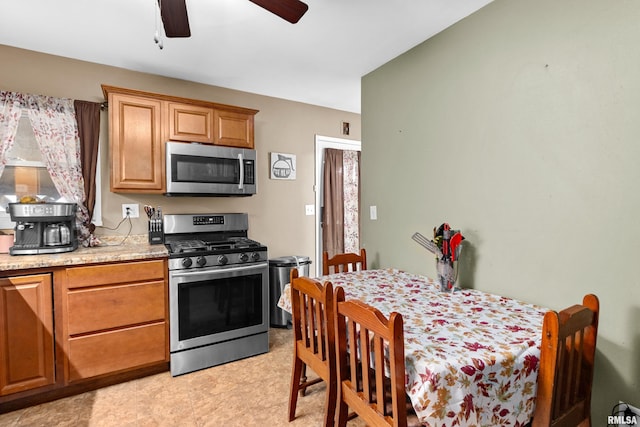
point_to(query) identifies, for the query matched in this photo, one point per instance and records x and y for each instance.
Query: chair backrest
(313, 328)
(344, 262)
(566, 365)
(367, 345)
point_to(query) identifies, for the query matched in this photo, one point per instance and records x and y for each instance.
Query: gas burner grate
(243, 242)
(182, 246)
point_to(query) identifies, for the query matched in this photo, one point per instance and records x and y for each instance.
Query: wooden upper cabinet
(234, 129)
(136, 144)
(190, 123)
(26, 327)
(141, 122)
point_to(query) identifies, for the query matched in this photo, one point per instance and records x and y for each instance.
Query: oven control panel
(216, 260)
(208, 220)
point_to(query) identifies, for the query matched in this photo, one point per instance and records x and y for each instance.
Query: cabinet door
(190, 123)
(137, 160)
(26, 328)
(234, 129)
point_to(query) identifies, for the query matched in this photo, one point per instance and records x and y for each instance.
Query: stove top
(195, 246)
(210, 240)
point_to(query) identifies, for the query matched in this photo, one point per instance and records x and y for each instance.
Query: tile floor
(249, 392)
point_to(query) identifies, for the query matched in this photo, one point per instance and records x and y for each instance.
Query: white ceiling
(237, 44)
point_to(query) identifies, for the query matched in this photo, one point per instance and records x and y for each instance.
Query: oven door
(211, 305)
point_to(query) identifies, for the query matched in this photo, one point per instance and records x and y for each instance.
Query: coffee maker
(43, 228)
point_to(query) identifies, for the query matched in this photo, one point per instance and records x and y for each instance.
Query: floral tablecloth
(471, 357)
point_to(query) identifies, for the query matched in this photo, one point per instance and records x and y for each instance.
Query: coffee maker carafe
(56, 235)
(43, 228)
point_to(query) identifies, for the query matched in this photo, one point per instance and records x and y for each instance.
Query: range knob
(244, 257)
(255, 256)
(222, 260)
(186, 262)
(201, 261)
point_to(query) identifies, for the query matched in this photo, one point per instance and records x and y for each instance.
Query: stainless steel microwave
(195, 169)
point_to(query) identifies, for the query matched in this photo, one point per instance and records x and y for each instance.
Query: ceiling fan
(176, 22)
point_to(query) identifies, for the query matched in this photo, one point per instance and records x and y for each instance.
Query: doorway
(322, 143)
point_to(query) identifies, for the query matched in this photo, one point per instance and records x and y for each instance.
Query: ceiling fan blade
(174, 18)
(289, 10)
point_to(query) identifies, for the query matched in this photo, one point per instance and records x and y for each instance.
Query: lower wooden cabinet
(67, 330)
(115, 318)
(26, 333)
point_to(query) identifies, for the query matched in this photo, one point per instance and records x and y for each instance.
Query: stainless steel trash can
(279, 272)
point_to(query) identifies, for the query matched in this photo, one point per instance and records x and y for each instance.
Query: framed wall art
(283, 166)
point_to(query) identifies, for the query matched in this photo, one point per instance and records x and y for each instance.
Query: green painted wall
(520, 125)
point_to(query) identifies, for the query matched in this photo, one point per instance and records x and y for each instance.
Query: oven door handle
(191, 273)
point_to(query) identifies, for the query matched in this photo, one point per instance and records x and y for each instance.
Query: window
(25, 174)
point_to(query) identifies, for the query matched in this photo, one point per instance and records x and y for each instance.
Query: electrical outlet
(309, 209)
(132, 209)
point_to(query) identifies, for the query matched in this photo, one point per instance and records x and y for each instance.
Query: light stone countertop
(113, 249)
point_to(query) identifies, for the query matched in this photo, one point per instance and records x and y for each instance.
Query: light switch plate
(373, 212)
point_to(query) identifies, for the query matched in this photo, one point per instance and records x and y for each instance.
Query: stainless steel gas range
(218, 290)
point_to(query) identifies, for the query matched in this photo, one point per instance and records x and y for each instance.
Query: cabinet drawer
(113, 351)
(95, 275)
(95, 309)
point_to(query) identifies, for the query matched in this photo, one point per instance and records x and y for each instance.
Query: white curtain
(351, 180)
(54, 125)
(10, 112)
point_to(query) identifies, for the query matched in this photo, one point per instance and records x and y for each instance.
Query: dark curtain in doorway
(341, 201)
(333, 213)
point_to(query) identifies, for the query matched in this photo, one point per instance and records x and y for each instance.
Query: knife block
(156, 234)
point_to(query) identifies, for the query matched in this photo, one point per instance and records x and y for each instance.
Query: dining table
(471, 357)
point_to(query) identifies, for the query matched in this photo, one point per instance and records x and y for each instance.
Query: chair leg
(342, 413)
(296, 373)
(303, 380)
(330, 404)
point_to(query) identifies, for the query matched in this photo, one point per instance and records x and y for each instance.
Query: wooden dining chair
(566, 366)
(314, 342)
(365, 342)
(344, 262)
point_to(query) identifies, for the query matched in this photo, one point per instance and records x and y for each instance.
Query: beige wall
(519, 125)
(276, 214)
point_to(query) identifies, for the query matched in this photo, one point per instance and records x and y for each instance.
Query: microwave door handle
(241, 161)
